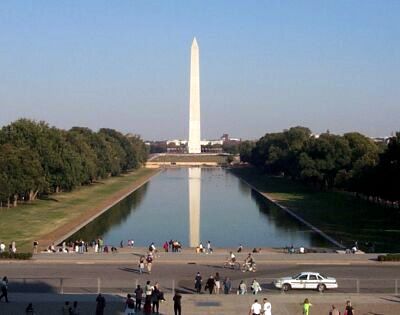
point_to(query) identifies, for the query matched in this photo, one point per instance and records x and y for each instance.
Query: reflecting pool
(195, 205)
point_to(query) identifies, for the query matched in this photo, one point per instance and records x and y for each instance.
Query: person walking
(4, 289)
(138, 297)
(141, 264)
(209, 248)
(334, 311)
(155, 298)
(242, 288)
(349, 310)
(149, 261)
(210, 284)
(267, 307)
(255, 287)
(255, 308)
(306, 307)
(227, 285)
(100, 304)
(177, 304)
(217, 279)
(197, 282)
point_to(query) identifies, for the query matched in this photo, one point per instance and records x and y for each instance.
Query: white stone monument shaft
(194, 105)
(194, 175)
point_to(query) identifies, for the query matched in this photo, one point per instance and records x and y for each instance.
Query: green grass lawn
(30, 221)
(221, 159)
(340, 215)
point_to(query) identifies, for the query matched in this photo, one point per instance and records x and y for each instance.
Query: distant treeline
(38, 159)
(351, 162)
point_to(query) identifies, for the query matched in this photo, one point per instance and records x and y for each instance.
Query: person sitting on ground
(201, 248)
(105, 250)
(114, 249)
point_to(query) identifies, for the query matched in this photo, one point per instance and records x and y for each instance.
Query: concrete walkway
(204, 304)
(270, 256)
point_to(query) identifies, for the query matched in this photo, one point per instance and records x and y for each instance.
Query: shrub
(389, 257)
(21, 256)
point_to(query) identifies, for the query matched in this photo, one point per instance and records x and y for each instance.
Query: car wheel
(286, 287)
(321, 287)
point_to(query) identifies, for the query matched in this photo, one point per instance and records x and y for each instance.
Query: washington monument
(194, 103)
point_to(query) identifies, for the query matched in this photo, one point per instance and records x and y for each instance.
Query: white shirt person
(255, 308)
(267, 307)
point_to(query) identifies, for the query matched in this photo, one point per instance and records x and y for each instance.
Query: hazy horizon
(264, 66)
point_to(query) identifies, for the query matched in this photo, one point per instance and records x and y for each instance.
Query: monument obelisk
(194, 205)
(194, 103)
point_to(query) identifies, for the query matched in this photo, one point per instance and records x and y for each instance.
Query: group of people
(147, 298)
(249, 263)
(207, 250)
(214, 284)
(173, 246)
(12, 248)
(80, 246)
(258, 309)
(266, 308)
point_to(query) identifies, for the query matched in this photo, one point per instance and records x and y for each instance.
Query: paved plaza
(49, 304)
(50, 279)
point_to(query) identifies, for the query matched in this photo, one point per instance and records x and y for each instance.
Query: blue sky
(265, 65)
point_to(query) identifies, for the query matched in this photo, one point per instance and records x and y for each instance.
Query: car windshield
(296, 276)
(323, 276)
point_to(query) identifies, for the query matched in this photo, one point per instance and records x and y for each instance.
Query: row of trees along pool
(38, 159)
(351, 162)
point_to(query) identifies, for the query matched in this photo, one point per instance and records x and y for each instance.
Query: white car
(306, 280)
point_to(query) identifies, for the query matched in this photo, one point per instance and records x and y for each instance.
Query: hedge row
(389, 257)
(21, 256)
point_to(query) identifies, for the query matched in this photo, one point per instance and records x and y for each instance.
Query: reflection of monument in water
(194, 175)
